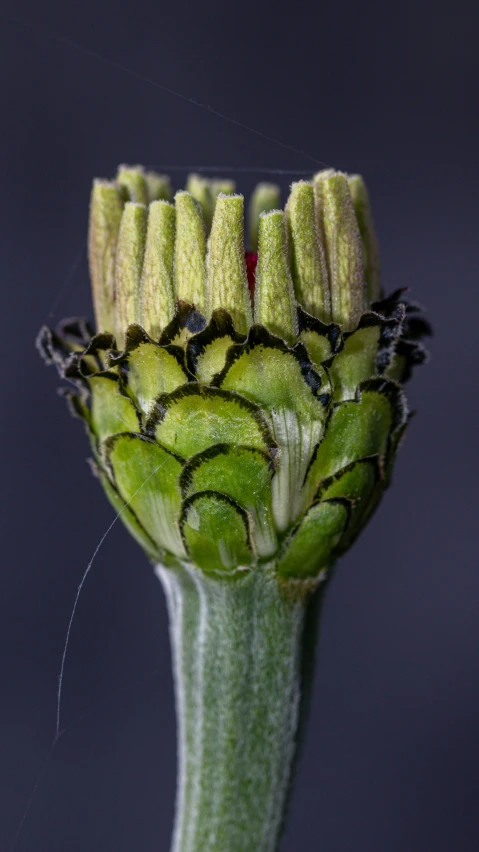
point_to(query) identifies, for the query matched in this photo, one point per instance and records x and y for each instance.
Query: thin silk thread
(160, 86)
(58, 730)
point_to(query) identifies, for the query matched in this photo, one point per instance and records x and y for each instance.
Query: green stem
(239, 651)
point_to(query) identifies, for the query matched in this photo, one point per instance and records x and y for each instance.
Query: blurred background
(392, 759)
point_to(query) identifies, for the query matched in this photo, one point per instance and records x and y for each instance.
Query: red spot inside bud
(251, 261)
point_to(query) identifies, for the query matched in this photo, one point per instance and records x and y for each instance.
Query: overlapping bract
(236, 435)
(233, 450)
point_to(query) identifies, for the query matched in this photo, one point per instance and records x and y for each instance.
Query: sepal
(187, 321)
(311, 547)
(358, 428)
(146, 476)
(293, 394)
(245, 475)
(111, 411)
(366, 352)
(360, 483)
(126, 514)
(148, 369)
(215, 530)
(57, 346)
(92, 360)
(322, 340)
(410, 351)
(193, 418)
(206, 351)
(269, 372)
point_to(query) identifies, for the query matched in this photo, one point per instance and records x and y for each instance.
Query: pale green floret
(190, 251)
(132, 180)
(321, 259)
(200, 188)
(206, 192)
(106, 208)
(339, 229)
(157, 299)
(310, 273)
(362, 206)
(129, 262)
(275, 303)
(227, 283)
(221, 185)
(265, 197)
(159, 187)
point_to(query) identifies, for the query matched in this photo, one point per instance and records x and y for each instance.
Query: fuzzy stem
(239, 655)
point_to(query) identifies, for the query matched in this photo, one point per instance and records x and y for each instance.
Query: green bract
(239, 432)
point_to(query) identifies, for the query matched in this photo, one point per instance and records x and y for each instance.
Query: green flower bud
(128, 266)
(133, 184)
(158, 186)
(266, 197)
(198, 379)
(221, 186)
(244, 454)
(310, 272)
(275, 304)
(200, 188)
(106, 209)
(190, 251)
(157, 278)
(206, 192)
(362, 207)
(227, 284)
(342, 243)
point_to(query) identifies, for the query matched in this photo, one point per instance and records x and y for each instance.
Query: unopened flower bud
(157, 278)
(275, 303)
(265, 197)
(106, 209)
(190, 251)
(129, 263)
(158, 186)
(362, 207)
(245, 458)
(310, 273)
(200, 188)
(223, 186)
(227, 283)
(342, 242)
(132, 181)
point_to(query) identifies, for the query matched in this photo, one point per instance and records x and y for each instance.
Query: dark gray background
(390, 90)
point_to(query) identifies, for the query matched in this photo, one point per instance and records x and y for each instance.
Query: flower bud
(200, 188)
(310, 273)
(265, 197)
(362, 207)
(190, 251)
(244, 458)
(275, 303)
(158, 186)
(106, 208)
(221, 185)
(132, 182)
(157, 278)
(227, 283)
(342, 242)
(129, 262)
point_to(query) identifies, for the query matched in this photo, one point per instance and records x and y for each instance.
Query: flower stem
(240, 648)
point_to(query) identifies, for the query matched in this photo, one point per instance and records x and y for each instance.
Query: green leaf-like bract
(234, 450)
